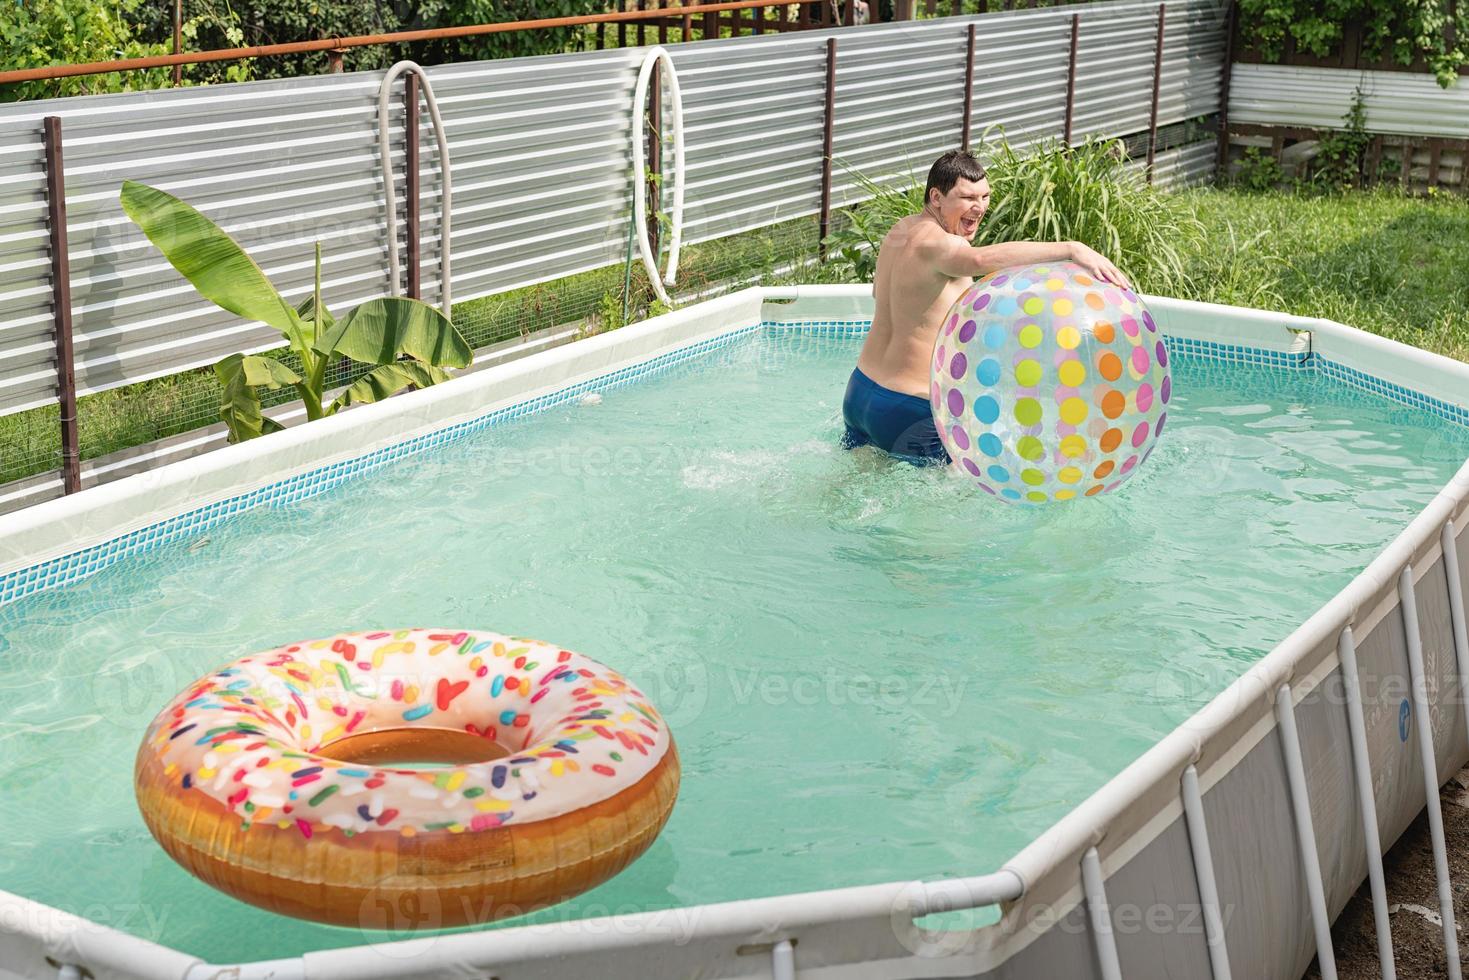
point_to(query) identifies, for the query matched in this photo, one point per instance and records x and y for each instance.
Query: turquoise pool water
(873, 672)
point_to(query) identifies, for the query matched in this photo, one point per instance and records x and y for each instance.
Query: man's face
(961, 210)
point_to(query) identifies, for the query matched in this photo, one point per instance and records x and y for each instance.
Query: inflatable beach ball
(1047, 384)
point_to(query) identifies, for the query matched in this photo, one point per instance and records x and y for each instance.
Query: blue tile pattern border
(1183, 348)
(69, 568)
(822, 328)
(1342, 374)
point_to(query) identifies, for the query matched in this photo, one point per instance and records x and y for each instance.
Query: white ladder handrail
(446, 207)
(657, 55)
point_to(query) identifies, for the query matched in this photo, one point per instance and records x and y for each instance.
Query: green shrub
(1341, 155)
(1258, 172)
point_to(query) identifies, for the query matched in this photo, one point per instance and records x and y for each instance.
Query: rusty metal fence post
(178, 39)
(71, 460)
(1071, 78)
(826, 145)
(655, 154)
(1157, 85)
(1221, 159)
(964, 128)
(410, 159)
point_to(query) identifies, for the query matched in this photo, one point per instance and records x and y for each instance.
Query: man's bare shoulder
(917, 233)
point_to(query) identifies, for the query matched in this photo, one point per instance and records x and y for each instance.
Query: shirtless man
(925, 263)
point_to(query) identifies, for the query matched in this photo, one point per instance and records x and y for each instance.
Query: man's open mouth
(968, 225)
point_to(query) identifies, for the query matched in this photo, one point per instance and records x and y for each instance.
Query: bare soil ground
(1412, 899)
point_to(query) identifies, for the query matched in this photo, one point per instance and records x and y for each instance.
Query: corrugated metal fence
(541, 162)
(1404, 103)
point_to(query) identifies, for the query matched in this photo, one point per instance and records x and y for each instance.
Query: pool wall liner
(1133, 827)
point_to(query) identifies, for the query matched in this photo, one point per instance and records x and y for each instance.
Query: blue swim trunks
(896, 423)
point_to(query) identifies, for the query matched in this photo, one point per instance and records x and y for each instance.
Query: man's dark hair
(947, 170)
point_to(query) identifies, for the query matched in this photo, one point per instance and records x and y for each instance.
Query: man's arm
(953, 257)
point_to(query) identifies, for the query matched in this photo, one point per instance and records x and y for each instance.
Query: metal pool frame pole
(1448, 540)
(1407, 597)
(1100, 915)
(1198, 840)
(1300, 801)
(1346, 652)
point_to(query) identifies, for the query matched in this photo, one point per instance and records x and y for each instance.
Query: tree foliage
(1405, 31)
(232, 23)
(38, 33)
(239, 23)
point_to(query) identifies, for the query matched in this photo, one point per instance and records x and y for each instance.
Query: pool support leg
(1419, 683)
(1448, 539)
(1198, 840)
(783, 961)
(1100, 915)
(1346, 648)
(1295, 772)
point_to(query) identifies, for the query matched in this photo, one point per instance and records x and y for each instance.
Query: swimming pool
(874, 676)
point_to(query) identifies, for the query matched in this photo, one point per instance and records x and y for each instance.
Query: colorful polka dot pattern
(1048, 385)
(247, 735)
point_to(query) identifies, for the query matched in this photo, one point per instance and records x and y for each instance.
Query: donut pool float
(291, 779)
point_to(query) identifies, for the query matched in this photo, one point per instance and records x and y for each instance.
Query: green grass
(1378, 260)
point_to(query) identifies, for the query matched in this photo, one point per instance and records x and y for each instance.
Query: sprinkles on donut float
(283, 779)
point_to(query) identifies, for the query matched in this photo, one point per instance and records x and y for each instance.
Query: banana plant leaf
(306, 310)
(389, 379)
(380, 330)
(239, 374)
(210, 259)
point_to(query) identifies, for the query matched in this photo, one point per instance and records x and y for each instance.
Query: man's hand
(1097, 265)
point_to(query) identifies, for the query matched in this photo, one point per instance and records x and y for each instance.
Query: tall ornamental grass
(1045, 193)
